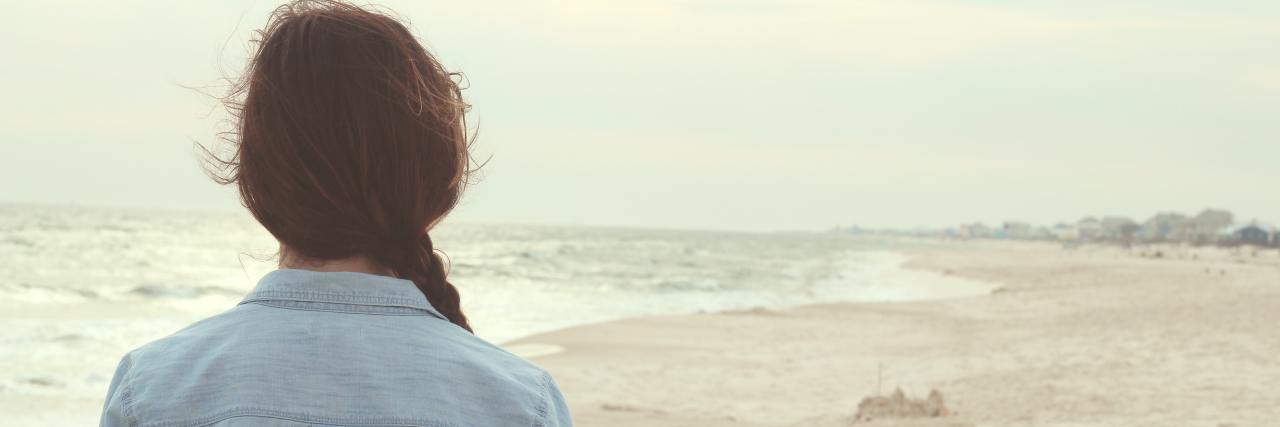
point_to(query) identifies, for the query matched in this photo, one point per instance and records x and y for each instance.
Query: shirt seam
(291, 416)
(542, 406)
(267, 303)
(335, 297)
(126, 392)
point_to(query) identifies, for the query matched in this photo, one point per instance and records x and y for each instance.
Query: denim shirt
(331, 349)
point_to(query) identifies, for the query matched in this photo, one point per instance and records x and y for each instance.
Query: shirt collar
(340, 288)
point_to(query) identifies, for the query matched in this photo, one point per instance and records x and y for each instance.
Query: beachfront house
(976, 230)
(1089, 229)
(1042, 233)
(1066, 232)
(1166, 226)
(1253, 235)
(1208, 225)
(1017, 230)
(1118, 228)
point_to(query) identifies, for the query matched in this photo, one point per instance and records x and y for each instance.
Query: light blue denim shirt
(330, 349)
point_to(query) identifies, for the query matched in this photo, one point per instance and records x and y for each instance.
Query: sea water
(79, 287)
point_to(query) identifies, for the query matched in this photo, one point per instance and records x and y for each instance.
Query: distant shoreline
(1094, 335)
(894, 281)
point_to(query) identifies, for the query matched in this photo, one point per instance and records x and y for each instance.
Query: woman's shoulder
(320, 366)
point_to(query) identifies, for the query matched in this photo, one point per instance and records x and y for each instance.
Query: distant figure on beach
(351, 145)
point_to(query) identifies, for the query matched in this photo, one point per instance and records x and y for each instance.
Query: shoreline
(1092, 335)
(897, 282)
(1180, 336)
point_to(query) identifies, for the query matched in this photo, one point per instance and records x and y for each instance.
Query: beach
(672, 327)
(1092, 335)
(83, 286)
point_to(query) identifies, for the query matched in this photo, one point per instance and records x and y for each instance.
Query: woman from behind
(351, 146)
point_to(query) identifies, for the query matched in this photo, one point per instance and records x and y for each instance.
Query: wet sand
(1086, 336)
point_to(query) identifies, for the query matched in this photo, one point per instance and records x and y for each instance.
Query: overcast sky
(728, 114)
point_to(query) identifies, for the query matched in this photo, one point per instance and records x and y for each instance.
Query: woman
(351, 145)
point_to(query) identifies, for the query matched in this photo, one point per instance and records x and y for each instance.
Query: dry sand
(1073, 337)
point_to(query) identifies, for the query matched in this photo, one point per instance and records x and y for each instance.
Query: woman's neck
(355, 264)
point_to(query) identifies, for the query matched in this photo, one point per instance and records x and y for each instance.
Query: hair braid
(350, 140)
(422, 265)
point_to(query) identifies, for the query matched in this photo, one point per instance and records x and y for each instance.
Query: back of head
(351, 141)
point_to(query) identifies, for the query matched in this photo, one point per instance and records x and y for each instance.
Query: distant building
(976, 230)
(1208, 225)
(1226, 235)
(1089, 229)
(1017, 230)
(1119, 229)
(1166, 226)
(1253, 235)
(1042, 233)
(1064, 231)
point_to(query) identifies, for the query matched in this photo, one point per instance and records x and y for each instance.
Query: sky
(710, 114)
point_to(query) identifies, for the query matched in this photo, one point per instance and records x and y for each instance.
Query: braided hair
(350, 140)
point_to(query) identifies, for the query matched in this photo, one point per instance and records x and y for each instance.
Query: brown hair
(350, 140)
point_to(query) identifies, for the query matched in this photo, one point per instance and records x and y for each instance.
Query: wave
(162, 291)
(41, 294)
(27, 292)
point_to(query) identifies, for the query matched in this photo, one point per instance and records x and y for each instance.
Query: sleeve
(114, 409)
(557, 413)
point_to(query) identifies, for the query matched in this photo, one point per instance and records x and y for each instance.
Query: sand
(1095, 335)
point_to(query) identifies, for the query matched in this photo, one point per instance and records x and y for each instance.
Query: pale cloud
(889, 33)
(1266, 79)
(746, 114)
(875, 32)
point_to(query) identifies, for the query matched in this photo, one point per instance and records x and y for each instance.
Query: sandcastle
(898, 405)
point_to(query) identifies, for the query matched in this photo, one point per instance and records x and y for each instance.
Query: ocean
(79, 287)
